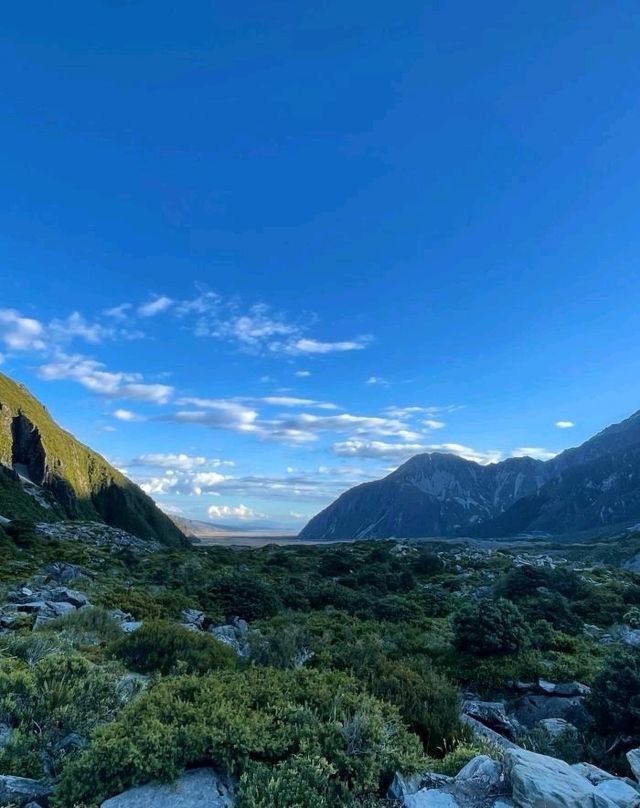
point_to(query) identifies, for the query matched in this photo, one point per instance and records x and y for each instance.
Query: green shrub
(86, 624)
(486, 627)
(294, 783)
(159, 647)
(632, 617)
(234, 720)
(23, 533)
(429, 703)
(246, 596)
(136, 601)
(615, 696)
(58, 695)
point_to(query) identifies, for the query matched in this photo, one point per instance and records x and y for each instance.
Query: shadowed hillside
(46, 474)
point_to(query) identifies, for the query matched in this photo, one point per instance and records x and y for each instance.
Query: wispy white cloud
(564, 424)
(179, 461)
(126, 415)
(21, 333)
(92, 375)
(76, 326)
(305, 345)
(533, 451)
(240, 512)
(119, 312)
(292, 401)
(317, 486)
(433, 423)
(155, 306)
(302, 374)
(403, 451)
(378, 380)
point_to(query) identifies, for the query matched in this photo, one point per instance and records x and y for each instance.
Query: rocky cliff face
(593, 485)
(45, 473)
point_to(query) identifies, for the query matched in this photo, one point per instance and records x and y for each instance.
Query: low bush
(337, 742)
(159, 647)
(56, 696)
(486, 627)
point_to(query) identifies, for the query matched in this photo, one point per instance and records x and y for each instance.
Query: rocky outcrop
(523, 780)
(198, 788)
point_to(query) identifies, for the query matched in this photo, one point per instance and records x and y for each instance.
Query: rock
(234, 635)
(20, 791)
(619, 792)
(132, 684)
(71, 743)
(493, 715)
(431, 798)
(572, 689)
(484, 733)
(630, 636)
(483, 767)
(193, 619)
(592, 773)
(555, 727)
(401, 786)
(61, 594)
(32, 606)
(52, 610)
(633, 756)
(546, 687)
(502, 802)
(63, 572)
(198, 788)
(539, 780)
(33, 805)
(531, 709)
(5, 735)
(129, 626)
(480, 779)
(22, 595)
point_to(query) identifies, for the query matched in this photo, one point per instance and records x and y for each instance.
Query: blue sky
(256, 253)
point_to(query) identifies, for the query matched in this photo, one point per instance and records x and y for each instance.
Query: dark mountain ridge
(595, 484)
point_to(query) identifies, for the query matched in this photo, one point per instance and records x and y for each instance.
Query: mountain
(595, 484)
(46, 474)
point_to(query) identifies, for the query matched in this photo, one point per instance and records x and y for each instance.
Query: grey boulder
(431, 798)
(198, 788)
(618, 792)
(633, 756)
(20, 791)
(493, 715)
(556, 727)
(539, 781)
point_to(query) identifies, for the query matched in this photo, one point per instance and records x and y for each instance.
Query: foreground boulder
(198, 788)
(634, 762)
(20, 791)
(539, 781)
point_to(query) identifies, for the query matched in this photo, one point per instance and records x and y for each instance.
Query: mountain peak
(440, 494)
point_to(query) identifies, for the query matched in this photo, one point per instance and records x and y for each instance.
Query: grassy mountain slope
(67, 479)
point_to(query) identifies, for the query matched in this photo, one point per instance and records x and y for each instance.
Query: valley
(248, 669)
